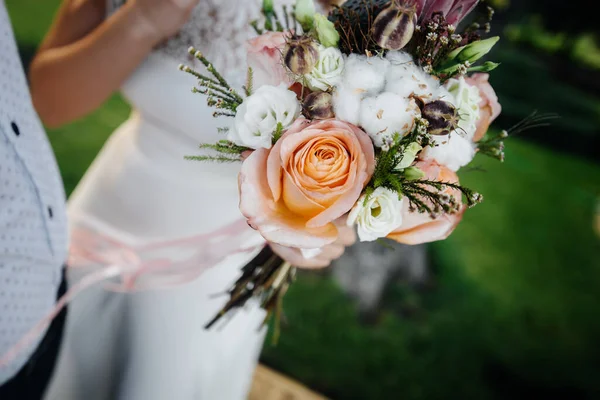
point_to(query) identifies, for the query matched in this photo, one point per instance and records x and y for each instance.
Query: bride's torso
(140, 185)
(160, 92)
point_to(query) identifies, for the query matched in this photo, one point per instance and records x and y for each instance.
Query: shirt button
(50, 212)
(15, 128)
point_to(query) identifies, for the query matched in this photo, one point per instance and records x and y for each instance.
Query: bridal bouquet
(361, 116)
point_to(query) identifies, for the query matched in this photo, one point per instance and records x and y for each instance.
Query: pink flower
(489, 107)
(419, 227)
(293, 192)
(265, 59)
(453, 10)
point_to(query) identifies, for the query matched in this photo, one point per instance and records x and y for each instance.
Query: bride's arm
(85, 58)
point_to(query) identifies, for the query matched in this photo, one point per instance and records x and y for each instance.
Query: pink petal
(460, 10)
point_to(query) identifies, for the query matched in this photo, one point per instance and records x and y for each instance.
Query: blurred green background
(511, 308)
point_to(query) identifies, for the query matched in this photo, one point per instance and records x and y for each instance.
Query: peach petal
(274, 163)
(296, 200)
(430, 231)
(275, 223)
(342, 205)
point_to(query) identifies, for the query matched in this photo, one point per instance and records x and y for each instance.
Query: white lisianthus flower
(409, 155)
(453, 150)
(387, 114)
(377, 216)
(260, 114)
(328, 70)
(365, 75)
(405, 78)
(466, 99)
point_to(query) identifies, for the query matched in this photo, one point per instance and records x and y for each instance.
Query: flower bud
(442, 117)
(413, 173)
(301, 55)
(267, 8)
(473, 51)
(305, 13)
(485, 67)
(394, 26)
(409, 155)
(319, 105)
(326, 32)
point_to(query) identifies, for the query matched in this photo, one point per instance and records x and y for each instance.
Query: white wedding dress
(152, 345)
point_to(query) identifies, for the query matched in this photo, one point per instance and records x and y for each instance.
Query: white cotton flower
(346, 104)
(327, 71)
(377, 216)
(466, 99)
(453, 150)
(387, 114)
(258, 117)
(406, 78)
(365, 75)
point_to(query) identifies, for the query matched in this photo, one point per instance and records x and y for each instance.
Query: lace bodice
(219, 28)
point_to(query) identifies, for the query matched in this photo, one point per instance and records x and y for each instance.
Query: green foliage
(249, 87)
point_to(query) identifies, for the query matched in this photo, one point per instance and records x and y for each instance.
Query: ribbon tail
(40, 327)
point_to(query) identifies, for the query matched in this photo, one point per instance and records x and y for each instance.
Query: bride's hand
(347, 237)
(164, 18)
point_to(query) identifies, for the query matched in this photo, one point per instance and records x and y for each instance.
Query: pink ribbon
(117, 259)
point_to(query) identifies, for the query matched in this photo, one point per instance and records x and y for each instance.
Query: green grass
(513, 303)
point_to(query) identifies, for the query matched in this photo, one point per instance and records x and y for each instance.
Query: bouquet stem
(266, 278)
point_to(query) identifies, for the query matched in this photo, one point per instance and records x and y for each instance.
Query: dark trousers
(31, 381)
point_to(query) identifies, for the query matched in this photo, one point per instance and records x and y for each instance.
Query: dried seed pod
(442, 117)
(394, 26)
(301, 55)
(319, 105)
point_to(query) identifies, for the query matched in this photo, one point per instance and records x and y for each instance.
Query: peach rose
(265, 59)
(293, 192)
(418, 227)
(489, 107)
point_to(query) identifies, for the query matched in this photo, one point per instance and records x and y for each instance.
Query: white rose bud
(378, 216)
(387, 114)
(328, 70)
(466, 100)
(260, 115)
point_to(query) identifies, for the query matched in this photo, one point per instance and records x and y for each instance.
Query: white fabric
(33, 230)
(152, 345)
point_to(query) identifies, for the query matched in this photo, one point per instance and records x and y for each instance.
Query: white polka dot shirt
(33, 230)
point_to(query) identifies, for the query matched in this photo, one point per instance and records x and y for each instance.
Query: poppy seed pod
(301, 55)
(441, 115)
(319, 105)
(394, 26)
